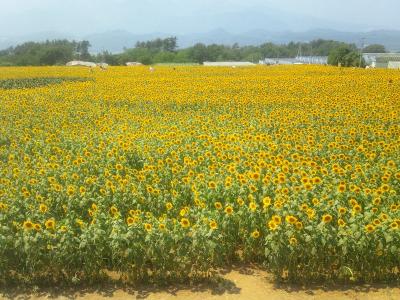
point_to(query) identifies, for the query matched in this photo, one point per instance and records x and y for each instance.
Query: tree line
(58, 52)
(48, 53)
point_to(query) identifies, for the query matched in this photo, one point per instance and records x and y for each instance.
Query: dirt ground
(244, 283)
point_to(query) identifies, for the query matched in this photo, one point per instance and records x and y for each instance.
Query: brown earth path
(243, 284)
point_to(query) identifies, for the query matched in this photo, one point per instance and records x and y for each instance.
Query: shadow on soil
(216, 286)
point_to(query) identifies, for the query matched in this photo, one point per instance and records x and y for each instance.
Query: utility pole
(361, 50)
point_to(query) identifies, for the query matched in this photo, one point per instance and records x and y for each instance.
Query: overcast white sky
(144, 16)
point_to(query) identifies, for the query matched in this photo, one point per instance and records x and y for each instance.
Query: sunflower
(43, 208)
(341, 188)
(218, 205)
(277, 219)
(148, 227)
(130, 221)
(169, 205)
(229, 210)
(303, 206)
(94, 207)
(299, 225)
(326, 218)
(272, 225)
(357, 208)
(82, 190)
(266, 201)
(384, 217)
(50, 224)
(315, 201)
(308, 186)
(70, 190)
(255, 234)
(28, 225)
(369, 228)
(376, 201)
(213, 225)
(316, 180)
(185, 223)
(376, 222)
(341, 223)
(253, 206)
(212, 185)
(113, 210)
(291, 219)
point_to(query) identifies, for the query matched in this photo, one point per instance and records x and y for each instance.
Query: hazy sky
(79, 17)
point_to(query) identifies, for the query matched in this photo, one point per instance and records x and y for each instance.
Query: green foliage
(374, 48)
(24, 83)
(168, 44)
(107, 57)
(57, 52)
(346, 56)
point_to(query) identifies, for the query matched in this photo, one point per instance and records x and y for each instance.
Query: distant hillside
(116, 41)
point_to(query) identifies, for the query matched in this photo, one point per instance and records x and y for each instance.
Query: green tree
(374, 48)
(199, 53)
(107, 57)
(82, 49)
(346, 56)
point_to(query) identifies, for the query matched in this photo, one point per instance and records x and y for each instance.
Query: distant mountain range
(116, 41)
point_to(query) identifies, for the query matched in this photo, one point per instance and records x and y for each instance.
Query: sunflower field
(177, 172)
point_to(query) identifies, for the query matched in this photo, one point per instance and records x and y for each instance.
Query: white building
(133, 63)
(394, 65)
(81, 63)
(313, 60)
(299, 60)
(380, 60)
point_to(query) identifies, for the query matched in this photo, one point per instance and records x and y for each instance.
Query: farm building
(228, 64)
(81, 63)
(394, 65)
(313, 60)
(380, 60)
(133, 63)
(278, 61)
(309, 60)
